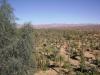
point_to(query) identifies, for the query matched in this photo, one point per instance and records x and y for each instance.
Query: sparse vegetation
(77, 52)
(26, 51)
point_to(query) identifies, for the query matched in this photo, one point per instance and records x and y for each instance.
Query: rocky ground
(89, 56)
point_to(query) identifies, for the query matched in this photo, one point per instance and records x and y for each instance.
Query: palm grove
(16, 45)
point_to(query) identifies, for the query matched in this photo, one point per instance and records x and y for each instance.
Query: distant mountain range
(67, 26)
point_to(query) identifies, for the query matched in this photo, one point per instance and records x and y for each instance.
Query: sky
(56, 11)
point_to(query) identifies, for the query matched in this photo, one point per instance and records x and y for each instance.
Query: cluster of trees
(16, 44)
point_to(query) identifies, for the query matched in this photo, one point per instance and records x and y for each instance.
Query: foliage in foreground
(16, 45)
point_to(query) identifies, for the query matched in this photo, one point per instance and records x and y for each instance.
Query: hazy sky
(57, 11)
